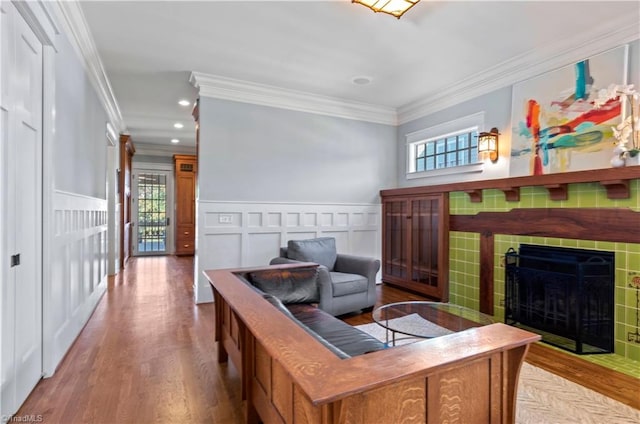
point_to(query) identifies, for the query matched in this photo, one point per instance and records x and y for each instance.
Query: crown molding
(75, 26)
(150, 149)
(522, 67)
(266, 95)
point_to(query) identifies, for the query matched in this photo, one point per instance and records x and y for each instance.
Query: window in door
(152, 213)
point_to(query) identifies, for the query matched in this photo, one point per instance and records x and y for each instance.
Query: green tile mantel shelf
(614, 180)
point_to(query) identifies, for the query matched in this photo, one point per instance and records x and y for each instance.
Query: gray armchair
(347, 283)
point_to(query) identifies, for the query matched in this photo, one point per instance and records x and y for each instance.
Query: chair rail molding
(240, 234)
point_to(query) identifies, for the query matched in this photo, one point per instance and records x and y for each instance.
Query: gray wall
(497, 108)
(80, 155)
(259, 153)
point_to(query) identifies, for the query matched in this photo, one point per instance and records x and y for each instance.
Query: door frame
(160, 168)
(127, 150)
(113, 255)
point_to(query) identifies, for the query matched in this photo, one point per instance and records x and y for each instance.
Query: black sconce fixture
(488, 144)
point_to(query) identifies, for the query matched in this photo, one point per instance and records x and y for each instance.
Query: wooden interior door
(126, 154)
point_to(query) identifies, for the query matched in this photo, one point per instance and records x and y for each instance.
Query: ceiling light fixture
(175, 140)
(391, 7)
(184, 102)
(361, 80)
(178, 125)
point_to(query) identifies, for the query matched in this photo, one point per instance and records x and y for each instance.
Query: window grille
(447, 151)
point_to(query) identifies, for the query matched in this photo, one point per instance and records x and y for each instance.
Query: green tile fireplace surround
(464, 255)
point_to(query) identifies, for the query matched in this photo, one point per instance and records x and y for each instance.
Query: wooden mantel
(615, 180)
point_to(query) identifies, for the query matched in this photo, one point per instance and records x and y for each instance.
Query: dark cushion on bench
(282, 308)
(290, 286)
(338, 333)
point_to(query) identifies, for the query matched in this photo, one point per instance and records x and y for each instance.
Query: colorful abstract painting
(555, 126)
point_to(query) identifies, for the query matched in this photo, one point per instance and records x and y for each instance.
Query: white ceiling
(150, 48)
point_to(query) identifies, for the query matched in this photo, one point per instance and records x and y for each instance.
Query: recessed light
(178, 125)
(361, 80)
(175, 140)
(184, 102)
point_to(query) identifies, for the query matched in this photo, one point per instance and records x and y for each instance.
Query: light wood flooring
(147, 355)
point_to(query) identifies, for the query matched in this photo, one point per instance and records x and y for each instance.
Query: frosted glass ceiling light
(391, 7)
(184, 102)
(178, 125)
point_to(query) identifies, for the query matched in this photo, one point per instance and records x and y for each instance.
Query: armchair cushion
(290, 286)
(344, 284)
(319, 250)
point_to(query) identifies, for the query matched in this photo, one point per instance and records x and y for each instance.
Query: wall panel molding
(78, 271)
(241, 234)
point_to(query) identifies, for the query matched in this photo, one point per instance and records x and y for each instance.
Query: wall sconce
(488, 144)
(392, 7)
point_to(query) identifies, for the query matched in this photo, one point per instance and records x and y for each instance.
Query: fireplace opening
(565, 295)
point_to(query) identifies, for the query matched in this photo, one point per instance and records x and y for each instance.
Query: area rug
(545, 398)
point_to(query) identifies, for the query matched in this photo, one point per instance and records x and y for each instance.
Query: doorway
(152, 207)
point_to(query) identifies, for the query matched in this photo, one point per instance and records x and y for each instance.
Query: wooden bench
(289, 377)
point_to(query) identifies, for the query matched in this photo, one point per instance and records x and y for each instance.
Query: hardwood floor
(147, 355)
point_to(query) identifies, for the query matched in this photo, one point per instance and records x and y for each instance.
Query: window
(446, 151)
(445, 148)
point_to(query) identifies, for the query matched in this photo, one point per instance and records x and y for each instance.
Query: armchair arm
(358, 265)
(362, 266)
(326, 289)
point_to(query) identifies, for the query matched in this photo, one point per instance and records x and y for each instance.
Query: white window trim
(470, 122)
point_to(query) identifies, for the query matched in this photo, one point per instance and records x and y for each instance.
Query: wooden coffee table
(426, 320)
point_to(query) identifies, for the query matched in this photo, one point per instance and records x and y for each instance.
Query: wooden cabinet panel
(186, 178)
(415, 241)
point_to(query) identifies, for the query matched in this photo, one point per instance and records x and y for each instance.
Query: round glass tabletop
(427, 319)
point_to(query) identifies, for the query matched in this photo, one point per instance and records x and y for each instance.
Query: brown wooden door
(186, 179)
(126, 154)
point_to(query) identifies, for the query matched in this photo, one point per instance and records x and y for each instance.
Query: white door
(151, 205)
(21, 202)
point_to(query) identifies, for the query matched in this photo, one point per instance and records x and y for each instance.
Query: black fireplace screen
(565, 295)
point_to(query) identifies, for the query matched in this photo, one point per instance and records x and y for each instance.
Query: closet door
(21, 131)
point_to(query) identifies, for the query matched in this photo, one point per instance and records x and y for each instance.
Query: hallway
(147, 355)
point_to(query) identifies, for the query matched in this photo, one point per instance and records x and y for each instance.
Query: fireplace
(566, 295)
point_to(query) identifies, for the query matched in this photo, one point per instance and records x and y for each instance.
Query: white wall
(78, 274)
(241, 234)
(76, 218)
(280, 175)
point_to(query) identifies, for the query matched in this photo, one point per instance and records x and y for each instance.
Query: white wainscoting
(241, 234)
(77, 268)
